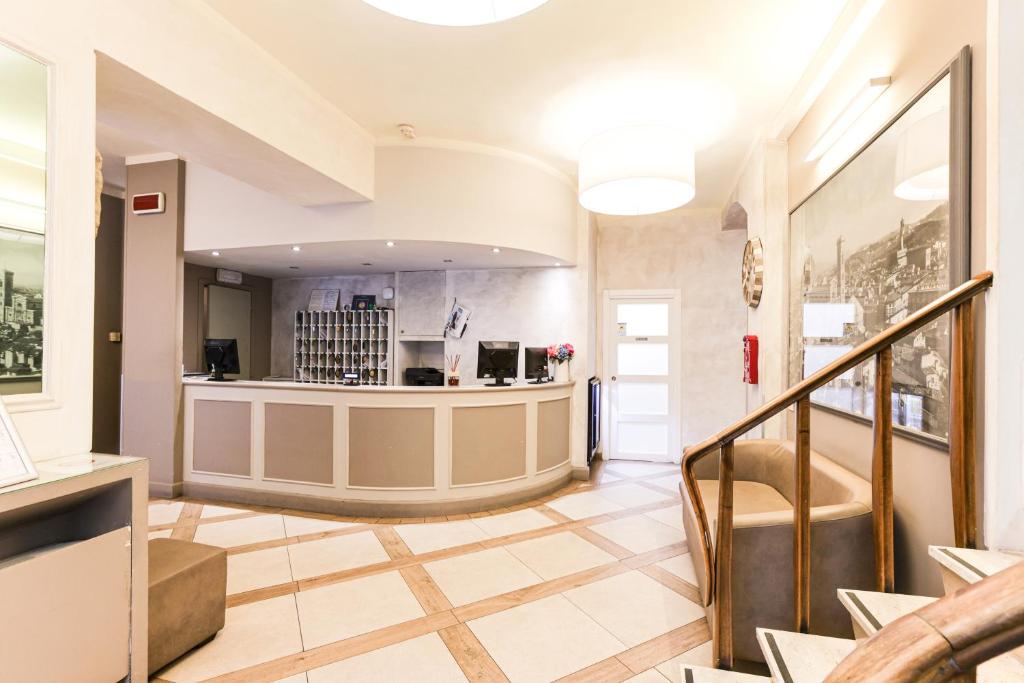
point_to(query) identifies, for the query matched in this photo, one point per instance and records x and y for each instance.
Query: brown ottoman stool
(187, 590)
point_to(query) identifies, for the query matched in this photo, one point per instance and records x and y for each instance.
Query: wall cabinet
(421, 305)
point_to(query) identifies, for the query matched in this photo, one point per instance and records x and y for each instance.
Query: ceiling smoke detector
(407, 131)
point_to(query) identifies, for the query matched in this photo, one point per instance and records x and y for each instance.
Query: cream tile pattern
(669, 483)
(483, 574)
(634, 607)
(583, 505)
(350, 608)
(220, 511)
(639, 534)
(423, 659)
(698, 656)
(249, 571)
(254, 633)
(424, 538)
(512, 522)
(335, 553)
(235, 532)
(649, 676)
(299, 526)
(631, 495)
(672, 516)
(544, 640)
(637, 468)
(164, 513)
(681, 566)
(559, 554)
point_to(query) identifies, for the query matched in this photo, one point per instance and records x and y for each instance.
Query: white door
(642, 372)
(229, 316)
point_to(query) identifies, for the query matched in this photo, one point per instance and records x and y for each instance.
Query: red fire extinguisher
(750, 359)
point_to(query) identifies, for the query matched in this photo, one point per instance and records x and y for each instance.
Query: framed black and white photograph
(21, 308)
(887, 234)
(15, 464)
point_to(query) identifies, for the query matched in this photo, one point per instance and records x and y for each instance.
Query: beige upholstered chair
(762, 585)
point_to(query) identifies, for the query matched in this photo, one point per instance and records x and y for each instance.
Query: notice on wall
(324, 299)
(15, 465)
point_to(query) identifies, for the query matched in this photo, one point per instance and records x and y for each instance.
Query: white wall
(422, 193)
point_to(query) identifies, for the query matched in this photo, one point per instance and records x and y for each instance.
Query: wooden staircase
(801, 658)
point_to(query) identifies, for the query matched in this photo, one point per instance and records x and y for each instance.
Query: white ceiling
(544, 82)
(348, 258)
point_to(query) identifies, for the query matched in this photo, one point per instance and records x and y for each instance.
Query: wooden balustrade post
(722, 633)
(881, 474)
(962, 427)
(802, 517)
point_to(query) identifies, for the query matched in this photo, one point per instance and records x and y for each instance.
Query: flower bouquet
(561, 354)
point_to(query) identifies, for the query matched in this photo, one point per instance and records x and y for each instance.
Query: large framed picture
(888, 233)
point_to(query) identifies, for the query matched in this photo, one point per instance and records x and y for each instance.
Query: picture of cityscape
(21, 306)
(864, 258)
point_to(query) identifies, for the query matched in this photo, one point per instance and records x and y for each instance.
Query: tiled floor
(592, 583)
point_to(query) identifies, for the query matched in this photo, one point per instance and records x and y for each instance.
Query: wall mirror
(887, 234)
(23, 161)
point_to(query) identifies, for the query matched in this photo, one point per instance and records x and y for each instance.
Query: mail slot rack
(344, 347)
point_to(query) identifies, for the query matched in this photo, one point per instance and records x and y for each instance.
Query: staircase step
(703, 674)
(964, 566)
(802, 658)
(870, 610)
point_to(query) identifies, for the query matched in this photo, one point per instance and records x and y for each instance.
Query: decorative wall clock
(753, 272)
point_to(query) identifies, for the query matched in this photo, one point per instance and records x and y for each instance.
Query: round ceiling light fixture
(636, 170)
(456, 12)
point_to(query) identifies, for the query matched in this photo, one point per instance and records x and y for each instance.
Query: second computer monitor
(497, 359)
(536, 364)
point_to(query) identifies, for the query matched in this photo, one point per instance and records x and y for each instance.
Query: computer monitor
(537, 364)
(221, 356)
(497, 359)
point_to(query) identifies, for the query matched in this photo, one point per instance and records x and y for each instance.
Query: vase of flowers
(561, 355)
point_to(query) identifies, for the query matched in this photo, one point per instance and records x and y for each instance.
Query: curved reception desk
(376, 451)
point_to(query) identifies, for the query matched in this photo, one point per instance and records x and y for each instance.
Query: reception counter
(376, 451)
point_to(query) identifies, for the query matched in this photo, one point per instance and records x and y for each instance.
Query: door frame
(675, 333)
(204, 308)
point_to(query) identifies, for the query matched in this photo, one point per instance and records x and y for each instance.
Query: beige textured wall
(153, 278)
(687, 251)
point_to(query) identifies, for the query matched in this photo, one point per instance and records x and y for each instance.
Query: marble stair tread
(703, 674)
(972, 565)
(800, 657)
(873, 610)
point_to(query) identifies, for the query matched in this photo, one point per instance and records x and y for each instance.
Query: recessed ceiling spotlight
(296, 248)
(557, 264)
(367, 264)
(215, 253)
(495, 250)
(293, 267)
(447, 260)
(456, 12)
(389, 243)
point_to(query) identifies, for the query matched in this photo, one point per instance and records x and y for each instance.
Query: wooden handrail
(717, 568)
(945, 640)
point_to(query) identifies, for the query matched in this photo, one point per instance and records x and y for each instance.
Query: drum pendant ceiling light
(636, 170)
(456, 12)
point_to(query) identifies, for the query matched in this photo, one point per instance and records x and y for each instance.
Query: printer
(424, 377)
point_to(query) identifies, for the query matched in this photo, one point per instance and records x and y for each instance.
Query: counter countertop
(466, 388)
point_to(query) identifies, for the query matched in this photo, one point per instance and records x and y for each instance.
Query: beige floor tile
(544, 640)
(631, 495)
(583, 505)
(424, 538)
(637, 468)
(607, 477)
(297, 678)
(669, 483)
(164, 513)
(672, 516)
(634, 607)
(424, 659)
(166, 533)
(220, 511)
(350, 608)
(512, 522)
(314, 558)
(640, 533)
(249, 571)
(483, 574)
(298, 526)
(559, 554)
(241, 531)
(698, 656)
(649, 676)
(252, 634)
(681, 566)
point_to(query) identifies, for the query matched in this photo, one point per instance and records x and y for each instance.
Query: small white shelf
(331, 344)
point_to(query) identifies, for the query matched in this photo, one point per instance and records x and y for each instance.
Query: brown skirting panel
(553, 429)
(391, 447)
(488, 444)
(222, 437)
(298, 443)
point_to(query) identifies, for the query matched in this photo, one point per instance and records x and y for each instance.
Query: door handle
(614, 378)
